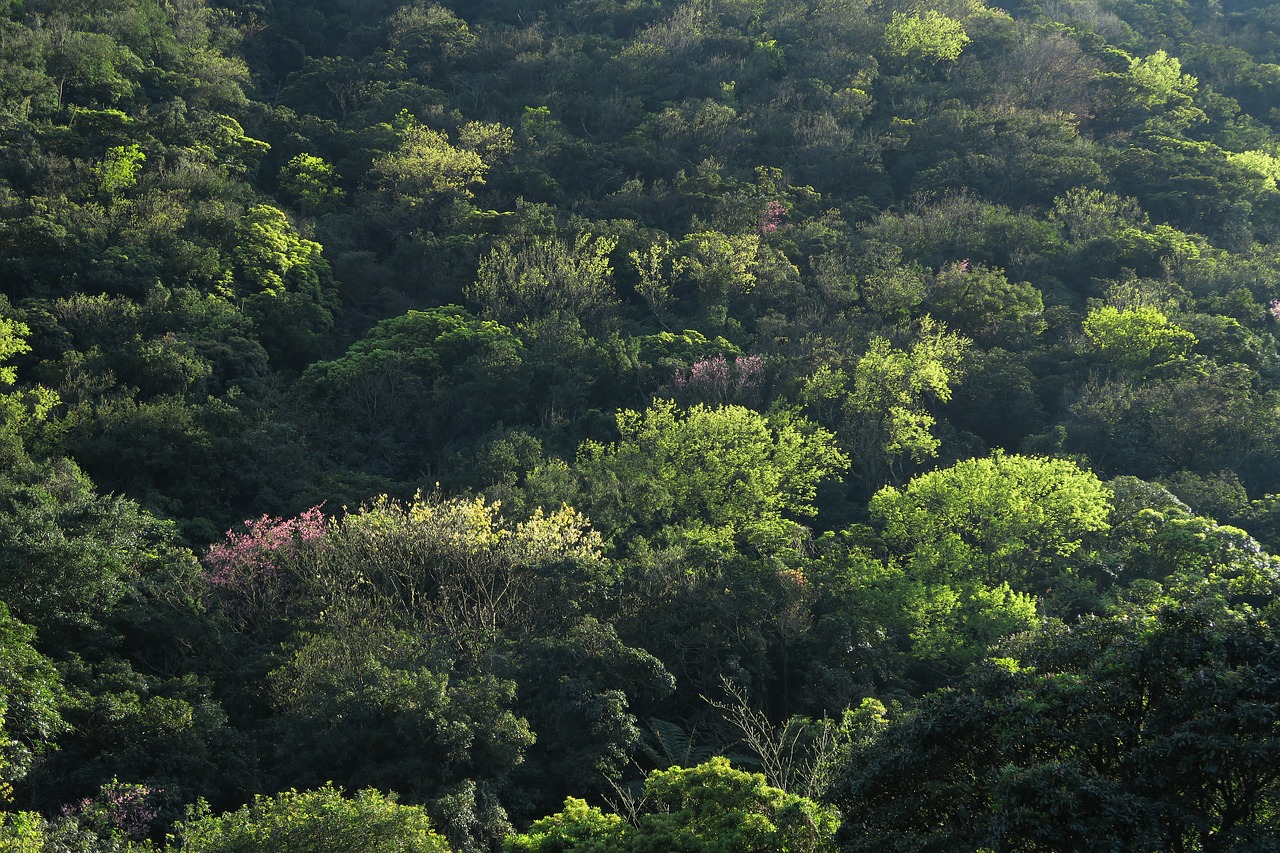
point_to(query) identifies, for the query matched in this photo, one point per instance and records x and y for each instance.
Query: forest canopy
(767, 425)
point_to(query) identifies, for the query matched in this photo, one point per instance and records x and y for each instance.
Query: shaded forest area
(633, 425)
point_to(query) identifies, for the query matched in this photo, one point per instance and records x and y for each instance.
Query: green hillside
(633, 425)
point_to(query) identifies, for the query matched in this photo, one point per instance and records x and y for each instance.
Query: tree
(312, 182)
(67, 554)
(322, 819)
(1160, 92)
(881, 412)
(1140, 338)
(721, 267)
(705, 809)
(31, 696)
(931, 36)
(416, 382)
(983, 304)
(537, 278)
(286, 283)
(1153, 728)
(999, 519)
(119, 169)
(421, 175)
(20, 411)
(712, 474)
(455, 568)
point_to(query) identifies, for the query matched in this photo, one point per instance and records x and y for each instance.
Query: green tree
(271, 257)
(422, 174)
(313, 184)
(705, 809)
(1156, 85)
(1148, 729)
(322, 819)
(119, 169)
(984, 305)
(1000, 519)
(930, 36)
(286, 283)
(416, 382)
(716, 475)
(21, 411)
(67, 554)
(721, 266)
(882, 412)
(539, 277)
(31, 696)
(1141, 338)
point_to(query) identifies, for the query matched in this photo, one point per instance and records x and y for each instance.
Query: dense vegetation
(635, 425)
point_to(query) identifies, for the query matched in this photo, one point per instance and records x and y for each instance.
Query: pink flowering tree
(772, 217)
(247, 570)
(118, 809)
(718, 381)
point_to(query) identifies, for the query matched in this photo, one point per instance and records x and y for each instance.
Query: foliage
(710, 807)
(719, 473)
(1139, 728)
(543, 276)
(932, 35)
(882, 410)
(1137, 338)
(69, 554)
(312, 182)
(999, 519)
(716, 257)
(321, 819)
(31, 694)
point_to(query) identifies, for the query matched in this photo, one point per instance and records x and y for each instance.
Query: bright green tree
(414, 182)
(710, 808)
(119, 170)
(882, 411)
(1140, 339)
(714, 474)
(272, 257)
(1000, 519)
(314, 821)
(312, 182)
(931, 36)
(538, 277)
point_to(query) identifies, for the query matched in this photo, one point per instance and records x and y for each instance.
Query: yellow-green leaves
(931, 36)
(1136, 338)
(539, 277)
(324, 819)
(724, 472)
(13, 341)
(425, 166)
(118, 171)
(1260, 163)
(710, 808)
(997, 519)
(312, 182)
(881, 411)
(269, 253)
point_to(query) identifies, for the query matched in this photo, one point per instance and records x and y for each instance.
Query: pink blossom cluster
(1273, 308)
(771, 217)
(129, 809)
(253, 552)
(718, 380)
